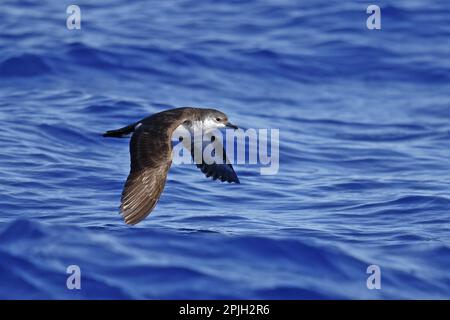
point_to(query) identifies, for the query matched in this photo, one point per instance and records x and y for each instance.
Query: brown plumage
(151, 157)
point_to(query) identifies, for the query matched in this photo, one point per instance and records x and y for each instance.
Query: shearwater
(151, 156)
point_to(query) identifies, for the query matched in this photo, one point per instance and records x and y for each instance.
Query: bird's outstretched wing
(150, 151)
(223, 171)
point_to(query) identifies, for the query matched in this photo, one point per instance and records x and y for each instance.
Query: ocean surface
(364, 119)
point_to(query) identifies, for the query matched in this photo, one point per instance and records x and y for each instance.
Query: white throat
(205, 125)
(210, 124)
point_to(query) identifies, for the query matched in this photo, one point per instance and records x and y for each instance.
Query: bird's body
(151, 156)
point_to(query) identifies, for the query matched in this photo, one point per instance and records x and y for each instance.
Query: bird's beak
(229, 125)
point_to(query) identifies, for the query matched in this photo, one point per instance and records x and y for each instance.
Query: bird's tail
(120, 133)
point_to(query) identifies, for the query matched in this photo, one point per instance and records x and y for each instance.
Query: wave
(363, 118)
(160, 263)
(25, 65)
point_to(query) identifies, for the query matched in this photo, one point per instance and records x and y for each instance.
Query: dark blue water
(364, 119)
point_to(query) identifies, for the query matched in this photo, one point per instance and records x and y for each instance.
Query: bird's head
(215, 119)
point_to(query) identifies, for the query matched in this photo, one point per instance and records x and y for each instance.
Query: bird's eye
(217, 119)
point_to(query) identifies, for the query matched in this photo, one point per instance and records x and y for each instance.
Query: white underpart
(192, 129)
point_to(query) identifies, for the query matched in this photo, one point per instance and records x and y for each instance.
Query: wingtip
(234, 179)
(130, 223)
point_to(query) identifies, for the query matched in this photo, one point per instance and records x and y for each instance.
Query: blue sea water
(364, 119)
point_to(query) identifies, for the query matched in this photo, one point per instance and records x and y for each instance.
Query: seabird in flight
(151, 156)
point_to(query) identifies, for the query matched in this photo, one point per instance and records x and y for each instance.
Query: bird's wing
(150, 150)
(223, 171)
